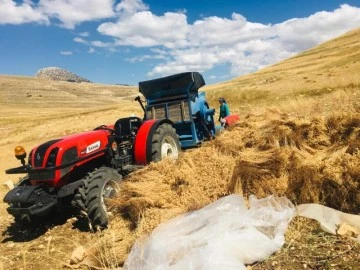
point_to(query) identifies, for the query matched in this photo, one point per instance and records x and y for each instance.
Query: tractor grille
(42, 176)
(51, 161)
(40, 152)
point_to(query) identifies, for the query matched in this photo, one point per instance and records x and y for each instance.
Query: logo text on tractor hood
(93, 147)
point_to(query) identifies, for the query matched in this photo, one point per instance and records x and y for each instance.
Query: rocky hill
(59, 74)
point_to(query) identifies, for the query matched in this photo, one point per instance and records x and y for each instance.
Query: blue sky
(127, 41)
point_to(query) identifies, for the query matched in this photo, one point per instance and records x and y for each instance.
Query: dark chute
(182, 84)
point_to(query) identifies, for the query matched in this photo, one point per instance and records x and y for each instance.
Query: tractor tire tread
(90, 193)
(162, 130)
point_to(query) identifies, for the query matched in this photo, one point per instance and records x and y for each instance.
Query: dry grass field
(299, 136)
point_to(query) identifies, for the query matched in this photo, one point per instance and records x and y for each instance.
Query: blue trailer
(177, 98)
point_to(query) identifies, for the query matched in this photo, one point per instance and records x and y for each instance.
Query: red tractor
(85, 169)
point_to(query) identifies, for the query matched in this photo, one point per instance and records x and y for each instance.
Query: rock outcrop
(59, 74)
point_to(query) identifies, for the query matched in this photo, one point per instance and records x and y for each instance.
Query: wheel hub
(169, 148)
(109, 191)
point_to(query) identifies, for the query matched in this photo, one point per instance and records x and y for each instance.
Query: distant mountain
(59, 74)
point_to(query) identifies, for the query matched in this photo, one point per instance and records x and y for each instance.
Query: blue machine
(177, 98)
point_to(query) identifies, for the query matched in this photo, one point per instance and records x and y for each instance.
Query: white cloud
(91, 50)
(192, 59)
(159, 51)
(66, 53)
(211, 31)
(80, 40)
(142, 58)
(12, 12)
(100, 44)
(84, 34)
(144, 29)
(129, 7)
(302, 33)
(71, 13)
(210, 41)
(248, 46)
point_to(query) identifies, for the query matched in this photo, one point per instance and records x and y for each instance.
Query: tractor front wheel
(165, 143)
(99, 186)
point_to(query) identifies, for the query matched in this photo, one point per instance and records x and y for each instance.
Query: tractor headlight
(20, 153)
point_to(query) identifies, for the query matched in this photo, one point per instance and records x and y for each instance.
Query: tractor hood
(178, 85)
(67, 149)
(51, 161)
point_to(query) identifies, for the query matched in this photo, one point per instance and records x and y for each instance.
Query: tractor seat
(125, 127)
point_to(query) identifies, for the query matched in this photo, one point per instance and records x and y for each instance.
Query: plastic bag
(222, 235)
(330, 219)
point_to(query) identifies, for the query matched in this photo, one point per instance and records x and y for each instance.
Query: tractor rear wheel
(99, 186)
(165, 143)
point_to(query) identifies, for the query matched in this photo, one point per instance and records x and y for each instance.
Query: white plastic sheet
(330, 219)
(222, 235)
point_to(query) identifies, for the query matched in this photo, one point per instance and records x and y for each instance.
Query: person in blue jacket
(224, 111)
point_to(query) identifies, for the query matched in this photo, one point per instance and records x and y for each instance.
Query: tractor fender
(143, 140)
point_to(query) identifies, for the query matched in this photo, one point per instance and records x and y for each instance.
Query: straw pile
(307, 160)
